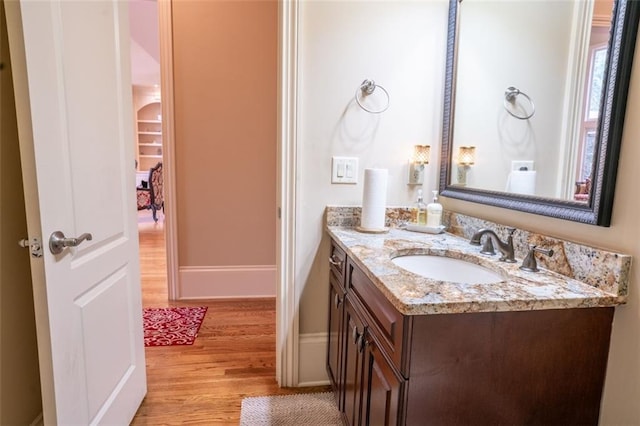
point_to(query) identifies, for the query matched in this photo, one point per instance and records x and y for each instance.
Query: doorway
(150, 147)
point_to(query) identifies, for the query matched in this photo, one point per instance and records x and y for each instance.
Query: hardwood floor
(233, 356)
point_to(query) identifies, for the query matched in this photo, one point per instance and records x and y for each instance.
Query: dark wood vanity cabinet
(337, 261)
(372, 388)
(520, 367)
(353, 357)
(336, 333)
(367, 388)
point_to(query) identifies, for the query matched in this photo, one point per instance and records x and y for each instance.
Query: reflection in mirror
(553, 59)
(539, 88)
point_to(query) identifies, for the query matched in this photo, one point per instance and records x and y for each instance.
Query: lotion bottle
(419, 211)
(434, 212)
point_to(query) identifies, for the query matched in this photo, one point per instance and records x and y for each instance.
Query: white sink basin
(447, 269)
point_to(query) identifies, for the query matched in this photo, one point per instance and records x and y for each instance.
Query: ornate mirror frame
(597, 210)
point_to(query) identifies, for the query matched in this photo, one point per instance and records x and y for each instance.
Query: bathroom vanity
(407, 349)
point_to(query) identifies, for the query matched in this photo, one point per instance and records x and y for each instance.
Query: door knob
(57, 241)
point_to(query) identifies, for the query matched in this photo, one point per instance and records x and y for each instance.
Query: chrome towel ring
(510, 96)
(367, 88)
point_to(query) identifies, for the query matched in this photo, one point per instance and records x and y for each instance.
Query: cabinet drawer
(387, 324)
(337, 261)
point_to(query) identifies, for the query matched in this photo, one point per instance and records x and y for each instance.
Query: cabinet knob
(364, 343)
(335, 261)
(359, 339)
(337, 301)
(356, 335)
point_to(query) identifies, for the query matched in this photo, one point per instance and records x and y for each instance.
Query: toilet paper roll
(522, 182)
(374, 200)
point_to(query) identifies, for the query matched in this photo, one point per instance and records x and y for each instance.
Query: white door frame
(287, 319)
(165, 27)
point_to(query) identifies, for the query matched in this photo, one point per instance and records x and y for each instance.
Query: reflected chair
(156, 185)
(143, 196)
(151, 197)
(583, 190)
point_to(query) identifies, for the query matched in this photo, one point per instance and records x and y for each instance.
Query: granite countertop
(413, 294)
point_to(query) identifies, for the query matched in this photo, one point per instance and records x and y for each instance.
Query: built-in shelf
(149, 131)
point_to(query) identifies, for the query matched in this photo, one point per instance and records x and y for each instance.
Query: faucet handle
(529, 263)
(487, 247)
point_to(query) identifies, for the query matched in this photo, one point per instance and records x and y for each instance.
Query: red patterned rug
(172, 326)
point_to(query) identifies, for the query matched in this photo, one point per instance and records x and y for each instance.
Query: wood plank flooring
(232, 358)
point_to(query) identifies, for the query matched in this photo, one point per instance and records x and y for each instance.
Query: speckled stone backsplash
(602, 269)
(350, 216)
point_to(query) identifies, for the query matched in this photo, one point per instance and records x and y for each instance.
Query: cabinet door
(383, 388)
(353, 357)
(336, 338)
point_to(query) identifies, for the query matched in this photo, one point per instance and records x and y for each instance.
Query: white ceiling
(145, 44)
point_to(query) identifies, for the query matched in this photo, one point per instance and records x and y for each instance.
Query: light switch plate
(344, 170)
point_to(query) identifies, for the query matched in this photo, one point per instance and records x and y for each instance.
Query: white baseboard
(312, 360)
(226, 282)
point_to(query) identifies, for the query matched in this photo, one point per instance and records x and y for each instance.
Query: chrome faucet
(506, 248)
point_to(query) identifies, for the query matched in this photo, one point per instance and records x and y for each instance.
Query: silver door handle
(57, 241)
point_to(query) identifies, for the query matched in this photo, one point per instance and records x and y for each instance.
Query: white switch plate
(522, 164)
(344, 170)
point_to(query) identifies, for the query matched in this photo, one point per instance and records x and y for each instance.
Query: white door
(73, 96)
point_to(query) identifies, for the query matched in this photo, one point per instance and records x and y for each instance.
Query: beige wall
(400, 45)
(339, 47)
(603, 8)
(20, 400)
(225, 73)
(488, 64)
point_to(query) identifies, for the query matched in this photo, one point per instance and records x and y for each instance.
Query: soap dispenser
(434, 212)
(419, 211)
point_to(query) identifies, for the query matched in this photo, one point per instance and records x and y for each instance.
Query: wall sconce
(466, 159)
(420, 157)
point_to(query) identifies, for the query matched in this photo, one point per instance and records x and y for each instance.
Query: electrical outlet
(522, 165)
(344, 170)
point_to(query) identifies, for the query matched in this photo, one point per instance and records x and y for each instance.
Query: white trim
(222, 282)
(165, 25)
(577, 69)
(313, 360)
(287, 320)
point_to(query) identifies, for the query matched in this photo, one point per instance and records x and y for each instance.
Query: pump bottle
(419, 211)
(434, 212)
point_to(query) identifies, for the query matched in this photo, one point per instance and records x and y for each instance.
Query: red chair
(152, 197)
(583, 190)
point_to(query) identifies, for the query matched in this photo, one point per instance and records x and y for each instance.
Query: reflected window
(594, 89)
(596, 76)
(587, 155)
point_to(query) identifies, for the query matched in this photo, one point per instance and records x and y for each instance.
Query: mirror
(535, 98)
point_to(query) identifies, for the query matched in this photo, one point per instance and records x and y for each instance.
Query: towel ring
(510, 96)
(367, 88)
